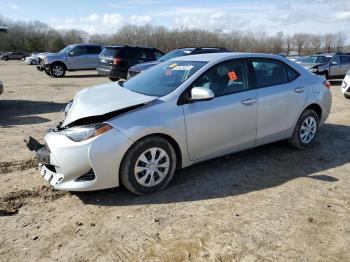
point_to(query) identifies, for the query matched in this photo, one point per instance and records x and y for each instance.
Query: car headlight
(81, 133)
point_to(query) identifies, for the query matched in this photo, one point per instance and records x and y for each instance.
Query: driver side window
(226, 78)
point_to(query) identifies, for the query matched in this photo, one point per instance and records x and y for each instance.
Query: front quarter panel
(158, 117)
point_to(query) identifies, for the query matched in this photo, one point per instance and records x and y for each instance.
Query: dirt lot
(272, 203)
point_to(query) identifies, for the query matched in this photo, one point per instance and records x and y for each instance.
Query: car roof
(210, 57)
(134, 46)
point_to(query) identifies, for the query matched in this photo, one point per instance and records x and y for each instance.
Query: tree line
(39, 37)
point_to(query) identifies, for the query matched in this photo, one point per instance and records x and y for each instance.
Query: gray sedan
(178, 113)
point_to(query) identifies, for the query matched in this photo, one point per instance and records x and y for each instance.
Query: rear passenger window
(145, 54)
(94, 50)
(158, 54)
(345, 60)
(269, 73)
(291, 73)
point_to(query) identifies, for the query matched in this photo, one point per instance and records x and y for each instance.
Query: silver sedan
(178, 113)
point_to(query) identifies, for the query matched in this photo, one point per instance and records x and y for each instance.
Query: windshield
(174, 54)
(163, 78)
(67, 49)
(317, 59)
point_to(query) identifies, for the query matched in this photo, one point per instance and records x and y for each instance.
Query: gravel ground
(272, 203)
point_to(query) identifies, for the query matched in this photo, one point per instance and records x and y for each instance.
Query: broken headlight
(81, 133)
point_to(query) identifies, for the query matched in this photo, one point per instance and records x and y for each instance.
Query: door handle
(299, 90)
(249, 101)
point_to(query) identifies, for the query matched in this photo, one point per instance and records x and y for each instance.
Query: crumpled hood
(103, 99)
(308, 66)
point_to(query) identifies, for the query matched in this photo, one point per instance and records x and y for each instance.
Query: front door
(227, 122)
(77, 58)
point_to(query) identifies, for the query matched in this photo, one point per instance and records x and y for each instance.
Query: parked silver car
(71, 58)
(329, 65)
(180, 112)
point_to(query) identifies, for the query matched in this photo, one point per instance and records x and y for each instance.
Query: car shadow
(240, 173)
(24, 112)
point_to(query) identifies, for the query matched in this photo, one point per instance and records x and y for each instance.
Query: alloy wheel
(152, 167)
(57, 70)
(308, 130)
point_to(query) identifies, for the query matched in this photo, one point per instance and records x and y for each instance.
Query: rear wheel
(347, 96)
(305, 130)
(148, 166)
(57, 70)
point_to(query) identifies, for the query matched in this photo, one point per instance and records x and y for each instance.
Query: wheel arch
(314, 107)
(59, 63)
(168, 138)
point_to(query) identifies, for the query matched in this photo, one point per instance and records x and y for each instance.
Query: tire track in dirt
(19, 165)
(11, 202)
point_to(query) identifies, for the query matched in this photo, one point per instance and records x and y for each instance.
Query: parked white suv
(71, 58)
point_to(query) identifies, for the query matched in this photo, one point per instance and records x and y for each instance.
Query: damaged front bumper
(82, 166)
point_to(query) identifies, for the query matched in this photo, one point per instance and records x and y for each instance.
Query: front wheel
(57, 70)
(33, 62)
(347, 96)
(305, 130)
(325, 74)
(148, 166)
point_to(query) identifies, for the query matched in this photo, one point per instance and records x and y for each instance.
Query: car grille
(87, 177)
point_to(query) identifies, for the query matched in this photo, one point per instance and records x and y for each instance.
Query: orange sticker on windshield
(232, 75)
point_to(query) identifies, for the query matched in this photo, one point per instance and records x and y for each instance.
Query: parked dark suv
(134, 70)
(14, 56)
(114, 61)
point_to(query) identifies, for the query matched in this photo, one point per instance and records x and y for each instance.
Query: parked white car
(34, 58)
(345, 88)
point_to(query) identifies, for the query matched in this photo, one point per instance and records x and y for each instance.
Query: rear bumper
(111, 72)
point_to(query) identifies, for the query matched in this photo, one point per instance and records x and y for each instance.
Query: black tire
(296, 140)
(57, 70)
(6, 58)
(33, 62)
(127, 174)
(113, 79)
(347, 96)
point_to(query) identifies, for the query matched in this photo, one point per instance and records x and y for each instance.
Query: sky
(107, 16)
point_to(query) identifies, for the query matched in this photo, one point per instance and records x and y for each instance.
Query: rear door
(92, 55)
(281, 96)
(345, 64)
(335, 67)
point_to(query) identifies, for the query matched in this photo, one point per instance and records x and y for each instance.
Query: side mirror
(334, 63)
(71, 53)
(201, 94)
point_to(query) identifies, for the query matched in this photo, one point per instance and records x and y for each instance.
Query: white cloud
(90, 18)
(114, 19)
(14, 7)
(139, 20)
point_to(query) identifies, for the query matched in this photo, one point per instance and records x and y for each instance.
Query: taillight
(327, 84)
(116, 61)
